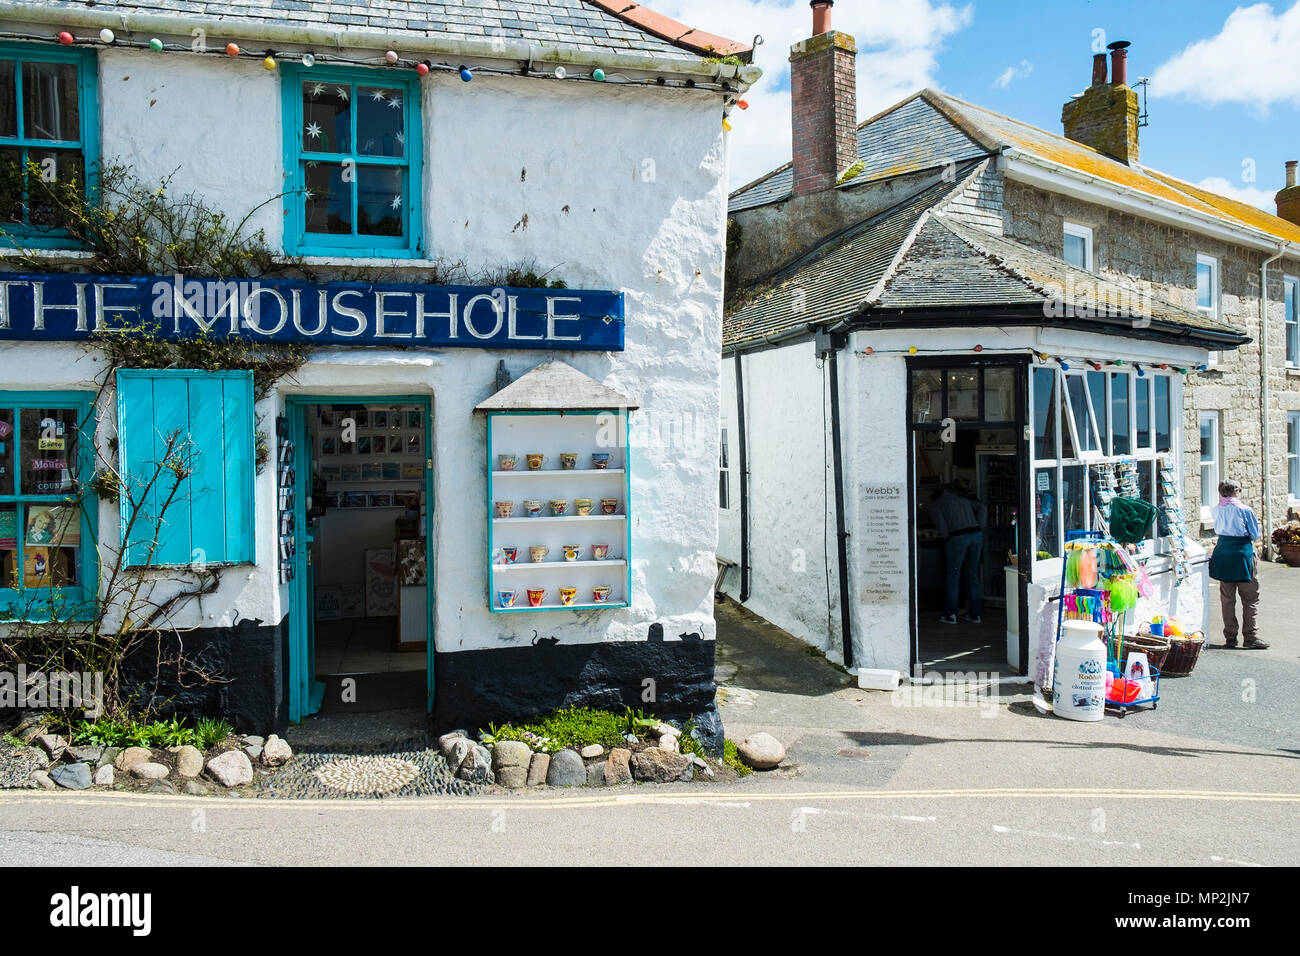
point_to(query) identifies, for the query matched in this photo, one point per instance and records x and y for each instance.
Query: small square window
(1078, 246)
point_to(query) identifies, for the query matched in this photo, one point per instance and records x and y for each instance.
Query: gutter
(1267, 545)
(338, 38)
(1034, 171)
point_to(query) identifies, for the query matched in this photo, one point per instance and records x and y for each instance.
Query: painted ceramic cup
(569, 460)
(507, 598)
(536, 596)
(600, 593)
(504, 509)
(571, 551)
(600, 460)
(567, 596)
(600, 551)
(506, 462)
(582, 506)
(538, 552)
(532, 507)
(559, 506)
(508, 555)
(535, 461)
(608, 505)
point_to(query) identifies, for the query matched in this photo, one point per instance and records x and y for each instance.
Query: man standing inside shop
(960, 518)
(1233, 565)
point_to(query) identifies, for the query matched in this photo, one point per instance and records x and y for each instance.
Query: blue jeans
(962, 554)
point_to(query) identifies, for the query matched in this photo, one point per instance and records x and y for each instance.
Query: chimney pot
(1290, 173)
(1099, 69)
(821, 16)
(1119, 62)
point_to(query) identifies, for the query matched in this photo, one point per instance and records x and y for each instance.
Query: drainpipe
(744, 481)
(1266, 547)
(828, 347)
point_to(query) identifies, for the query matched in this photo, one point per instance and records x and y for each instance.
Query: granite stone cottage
(497, 233)
(941, 295)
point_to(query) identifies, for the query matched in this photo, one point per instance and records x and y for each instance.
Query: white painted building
(554, 133)
(900, 318)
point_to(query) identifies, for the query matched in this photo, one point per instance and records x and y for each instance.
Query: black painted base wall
(515, 683)
(247, 658)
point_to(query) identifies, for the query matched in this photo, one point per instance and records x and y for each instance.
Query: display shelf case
(553, 433)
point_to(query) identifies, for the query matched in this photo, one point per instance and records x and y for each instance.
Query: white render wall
(613, 188)
(791, 496)
(786, 466)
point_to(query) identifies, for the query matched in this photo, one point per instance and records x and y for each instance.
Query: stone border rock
(655, 757)
(46, 761)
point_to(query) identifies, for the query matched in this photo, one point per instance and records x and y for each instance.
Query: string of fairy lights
(1064, 362)
(391, 58)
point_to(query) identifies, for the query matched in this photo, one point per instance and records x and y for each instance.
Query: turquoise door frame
(305, 692)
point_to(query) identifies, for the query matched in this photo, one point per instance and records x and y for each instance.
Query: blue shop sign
(73, 308)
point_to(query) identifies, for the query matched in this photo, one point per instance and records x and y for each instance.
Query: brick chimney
(1105, 116)
(1288, 197)
(823, 93)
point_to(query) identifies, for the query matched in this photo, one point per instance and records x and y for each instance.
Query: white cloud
(899, 42)
(1254, 60)
(1011, 73)
(1251, 195)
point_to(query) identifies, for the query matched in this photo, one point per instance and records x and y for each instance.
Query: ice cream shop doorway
(355, 539)
(967, 465)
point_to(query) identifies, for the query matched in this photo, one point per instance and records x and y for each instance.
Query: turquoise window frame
(297, 241)
(38, 237)
(236, 547)
(77, 600)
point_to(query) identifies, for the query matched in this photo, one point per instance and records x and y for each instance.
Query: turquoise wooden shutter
(207, 517)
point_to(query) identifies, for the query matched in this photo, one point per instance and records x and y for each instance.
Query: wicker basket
(1156, 649)
(1183, 655)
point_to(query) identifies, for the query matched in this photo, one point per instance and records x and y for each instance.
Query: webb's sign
(74, 307)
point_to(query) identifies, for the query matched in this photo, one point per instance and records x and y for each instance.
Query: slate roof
(586, 24)
(830, 281)
(555, 386)
(930, 128)
(912, 262)
(950, 263)
(905, 138)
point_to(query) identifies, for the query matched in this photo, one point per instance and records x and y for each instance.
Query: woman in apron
(1233, 565)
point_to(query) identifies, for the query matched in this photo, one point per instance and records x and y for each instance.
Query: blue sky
(1224, 100)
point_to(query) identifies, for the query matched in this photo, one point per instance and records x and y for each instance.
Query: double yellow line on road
(730, 799)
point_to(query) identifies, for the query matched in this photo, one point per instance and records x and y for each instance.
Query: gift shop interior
(365, 533)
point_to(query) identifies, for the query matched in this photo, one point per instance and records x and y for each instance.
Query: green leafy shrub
(731, 757)
(567, 727)
(689, 742)
(211, 732)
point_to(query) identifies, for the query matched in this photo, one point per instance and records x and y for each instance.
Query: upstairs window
(185, 439)
(48, 138)
(1207, 284)
(1078, 246)
(1292, 321)
(353, 162)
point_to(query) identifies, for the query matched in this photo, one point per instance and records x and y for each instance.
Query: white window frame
(1293, 456)
(1291, 322)
(1215, 462)
(1145, 457)
(724, 470)
(1202, 259)
(1084, 233)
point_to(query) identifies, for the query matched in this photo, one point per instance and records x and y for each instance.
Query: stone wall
(1165, 256)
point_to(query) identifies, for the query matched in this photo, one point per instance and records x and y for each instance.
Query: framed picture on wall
(414, 443)
(328, 445)
(414, 419)
(379, 419)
